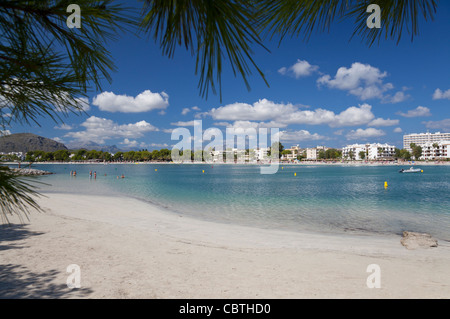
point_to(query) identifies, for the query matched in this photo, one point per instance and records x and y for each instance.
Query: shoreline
(431, 163)
(145, 252)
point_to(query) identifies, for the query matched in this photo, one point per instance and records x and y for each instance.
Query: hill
(25, 142)
(93, 146)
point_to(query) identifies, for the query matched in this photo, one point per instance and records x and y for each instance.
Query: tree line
(166, 155)
(94, 155)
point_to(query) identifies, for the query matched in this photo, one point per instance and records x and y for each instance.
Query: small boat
(411, 170)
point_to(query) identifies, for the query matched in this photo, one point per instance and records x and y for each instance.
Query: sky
(325, 91)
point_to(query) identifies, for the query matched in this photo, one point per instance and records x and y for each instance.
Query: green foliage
(61, 155)
(321, 154)
(47, 68)
(417, 152)
(332, 154)
(276, 148)
(293, 17)
(210, 30)
(402, 154)
(351, 155)
(16, 195)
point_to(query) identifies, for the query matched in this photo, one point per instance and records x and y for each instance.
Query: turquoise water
(328, 199)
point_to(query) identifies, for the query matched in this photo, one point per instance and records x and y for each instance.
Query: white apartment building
(253, 155)
(352, 151)
(295, 151)
(436, 150)
(372, 151)
(313, 153)
(377, 151)
(423, 138)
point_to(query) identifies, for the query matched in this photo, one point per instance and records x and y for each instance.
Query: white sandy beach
(129, 249)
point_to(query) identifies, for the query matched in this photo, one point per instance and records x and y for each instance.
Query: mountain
(93, 146)
(25, 142)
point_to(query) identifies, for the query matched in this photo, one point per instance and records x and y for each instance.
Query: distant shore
(349, 163)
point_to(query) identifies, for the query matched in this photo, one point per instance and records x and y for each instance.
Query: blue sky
(325, 91)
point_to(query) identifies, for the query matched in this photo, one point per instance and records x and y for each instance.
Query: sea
(334, 199)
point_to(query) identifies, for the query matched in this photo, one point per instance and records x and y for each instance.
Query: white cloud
(100, 129)
(158, 145)
(186, 110)
(364, 134)
(398, 130)
(361, 80)
(130, 143)
(440, 95)
(281, 115)
(420, 111)
(57, 139)
(397, 98)
(84, 104)
(64, 127)
(299, 69)
(144, 102)
(260, 111)
(382, 122)
(141, 145)
(187, 123)
(443, 125)
(298, 136)
(354, 116)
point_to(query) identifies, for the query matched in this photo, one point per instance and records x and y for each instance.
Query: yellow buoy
(295, 174)
(421, 171)
(203, 171)
(385, 184)
(156, 169)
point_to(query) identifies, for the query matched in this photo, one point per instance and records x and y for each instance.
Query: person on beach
(95, 175)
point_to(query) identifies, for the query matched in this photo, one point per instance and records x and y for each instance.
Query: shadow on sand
(18, 282)
(12, 233)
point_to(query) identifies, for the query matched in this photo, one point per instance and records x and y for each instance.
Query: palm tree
(362, 155)
(351, 154)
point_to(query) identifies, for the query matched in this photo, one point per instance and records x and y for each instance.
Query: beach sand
(126, 248)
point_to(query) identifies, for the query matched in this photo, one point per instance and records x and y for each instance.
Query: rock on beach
(29, 172)
(412, 240)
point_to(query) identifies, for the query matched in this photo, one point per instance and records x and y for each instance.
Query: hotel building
(423, 138)
(313, 153)
(436, 150)
(371, 151)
